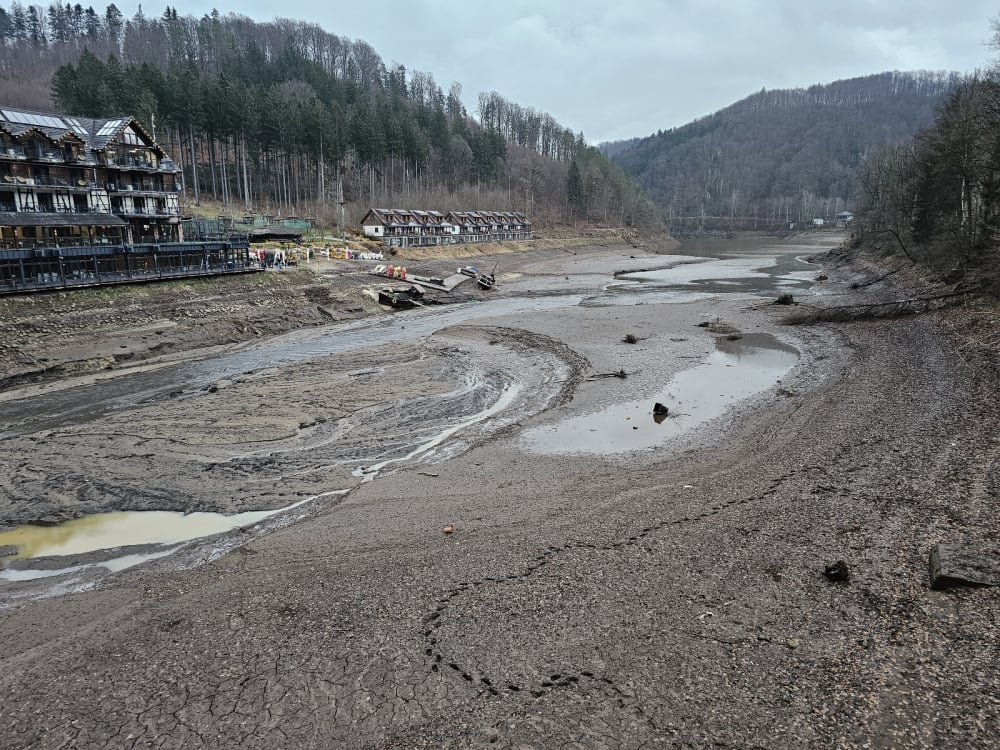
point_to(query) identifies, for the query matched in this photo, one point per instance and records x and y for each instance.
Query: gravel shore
(669, 598)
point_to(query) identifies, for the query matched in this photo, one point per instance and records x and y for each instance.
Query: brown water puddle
(164, 531)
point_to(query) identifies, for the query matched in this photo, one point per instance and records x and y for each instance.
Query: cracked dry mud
(672, 598)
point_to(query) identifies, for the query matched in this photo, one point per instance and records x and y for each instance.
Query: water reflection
(738, 369)
(660, 412)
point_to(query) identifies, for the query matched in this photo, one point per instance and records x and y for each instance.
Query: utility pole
(340, 199)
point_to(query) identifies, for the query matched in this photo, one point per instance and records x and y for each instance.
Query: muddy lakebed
(174, 463)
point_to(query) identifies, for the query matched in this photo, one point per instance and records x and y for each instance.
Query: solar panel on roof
(76, 126)
(109, 127)
(27, 118)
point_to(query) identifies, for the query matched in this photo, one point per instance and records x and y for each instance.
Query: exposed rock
(8, 550)
(719, 327)
(838, 572)
(953, 566)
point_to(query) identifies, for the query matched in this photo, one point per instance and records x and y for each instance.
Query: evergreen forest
(286, 118)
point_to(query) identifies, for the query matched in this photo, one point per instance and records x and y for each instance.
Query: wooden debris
(620, 374)
(953, 566)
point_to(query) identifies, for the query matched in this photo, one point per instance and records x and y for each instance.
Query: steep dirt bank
(63, 333)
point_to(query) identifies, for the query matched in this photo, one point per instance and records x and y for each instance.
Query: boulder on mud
(954, 566)
(838, 572)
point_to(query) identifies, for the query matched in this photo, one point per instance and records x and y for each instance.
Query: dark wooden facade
(87, 201)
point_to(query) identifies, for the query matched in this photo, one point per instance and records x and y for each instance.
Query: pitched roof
(95, 133)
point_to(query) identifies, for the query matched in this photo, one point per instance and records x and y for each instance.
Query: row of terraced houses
(87, 201)
(407, 228)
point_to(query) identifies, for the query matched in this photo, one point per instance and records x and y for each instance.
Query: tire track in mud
(483, 361)
(528, 345)
(547, 371)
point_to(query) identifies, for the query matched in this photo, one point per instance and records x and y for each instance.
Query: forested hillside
(935, 199)
(285, 117)
(780, 157)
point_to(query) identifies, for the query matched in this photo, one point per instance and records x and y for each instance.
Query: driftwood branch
(871, 310)
(877, 279)
(619, 374)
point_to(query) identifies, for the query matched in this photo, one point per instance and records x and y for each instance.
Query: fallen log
(876, 310)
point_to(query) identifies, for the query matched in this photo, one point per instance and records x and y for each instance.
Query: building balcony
(47, 209)
(128, 187)
(146, 211)
(143, 164)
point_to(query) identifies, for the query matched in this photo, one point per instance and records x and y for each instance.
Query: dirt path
(675, 599)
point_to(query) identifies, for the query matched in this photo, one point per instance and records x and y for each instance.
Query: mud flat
(671, 594)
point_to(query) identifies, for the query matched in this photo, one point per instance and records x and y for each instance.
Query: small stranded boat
(395, 299)
(487, 280)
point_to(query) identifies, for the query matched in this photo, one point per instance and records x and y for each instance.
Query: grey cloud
(618, 70)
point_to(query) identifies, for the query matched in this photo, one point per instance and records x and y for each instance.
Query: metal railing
(24, 271)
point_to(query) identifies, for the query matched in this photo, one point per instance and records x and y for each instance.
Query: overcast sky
(625, 68)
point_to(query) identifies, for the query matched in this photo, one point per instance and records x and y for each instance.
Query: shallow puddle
(735, 371)
(106, 531)
(111, 566)
(766, 276)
